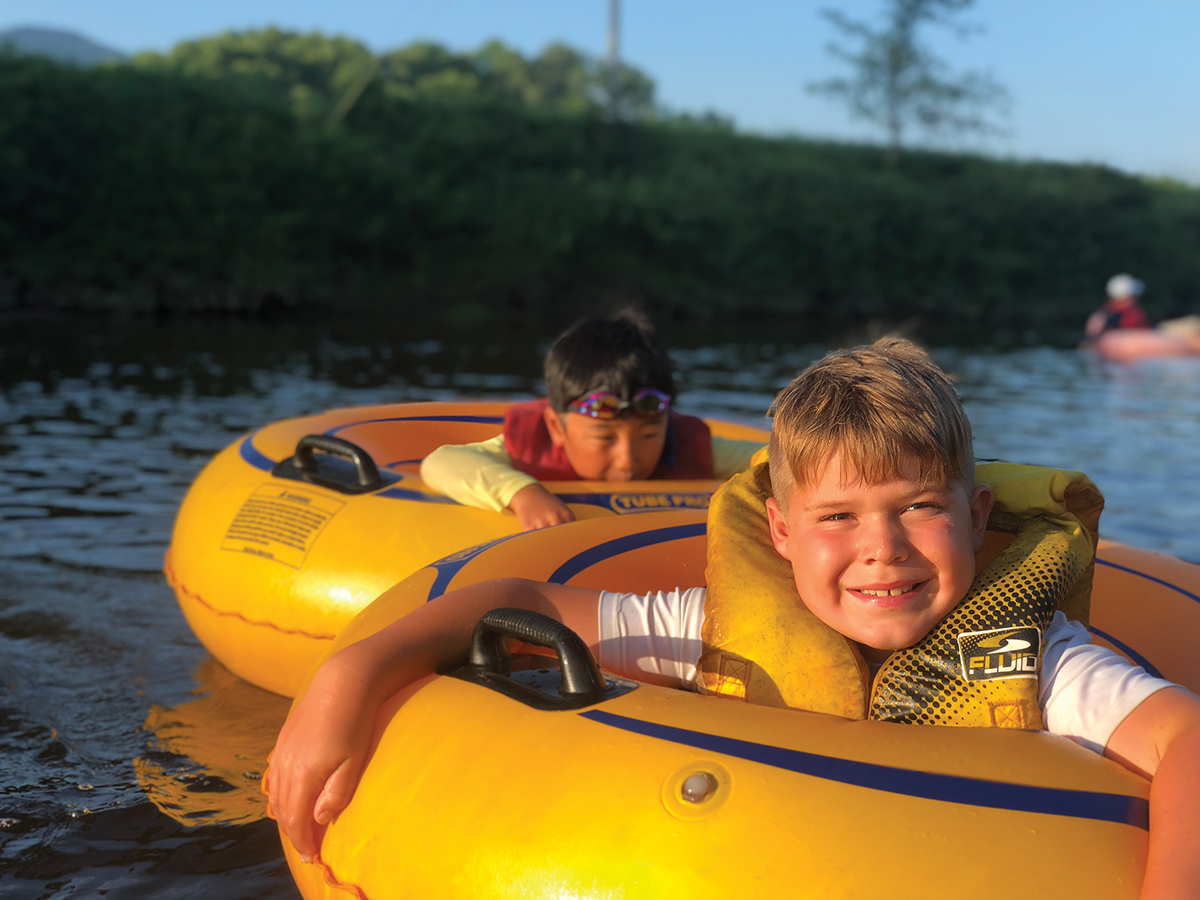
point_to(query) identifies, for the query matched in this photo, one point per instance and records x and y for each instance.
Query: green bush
(192, 183)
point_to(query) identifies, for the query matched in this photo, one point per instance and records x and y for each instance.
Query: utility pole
(614, 21)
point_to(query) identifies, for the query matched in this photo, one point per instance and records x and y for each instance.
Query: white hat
(1124, 286)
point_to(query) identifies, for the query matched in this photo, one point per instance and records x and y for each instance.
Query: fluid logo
(1000, 653)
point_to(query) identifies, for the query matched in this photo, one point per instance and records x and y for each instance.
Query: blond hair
(886, 410)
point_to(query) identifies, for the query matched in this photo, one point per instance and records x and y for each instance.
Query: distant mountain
(62, 46)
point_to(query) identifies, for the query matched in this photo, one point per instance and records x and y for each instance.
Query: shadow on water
(136, 852)
(121, 774)
(84, 653)
(221, 356)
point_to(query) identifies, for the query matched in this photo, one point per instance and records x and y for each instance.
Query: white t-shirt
(1085, 691)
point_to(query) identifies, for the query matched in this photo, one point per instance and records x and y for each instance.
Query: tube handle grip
(581, 675)
(366, 470)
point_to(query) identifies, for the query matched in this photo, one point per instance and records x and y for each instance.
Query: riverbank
(147, 190)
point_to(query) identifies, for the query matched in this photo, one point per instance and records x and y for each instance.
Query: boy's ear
(982, 500)
(554, 424)
(777, 523)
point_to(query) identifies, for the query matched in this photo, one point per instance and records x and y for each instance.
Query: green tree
(563, 79)
(311, 71)
(322, 77)
(897, 82)
(429, 70)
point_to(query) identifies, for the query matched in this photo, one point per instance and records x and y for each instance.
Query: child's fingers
(544, 517)
(338, 790)
(295, 816)
(286, 804)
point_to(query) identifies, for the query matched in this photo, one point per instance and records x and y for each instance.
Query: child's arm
(1160, 739)
(321, 751)
(482, 475)
(1095, 324)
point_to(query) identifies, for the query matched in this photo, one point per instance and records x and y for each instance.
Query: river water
(103, 425)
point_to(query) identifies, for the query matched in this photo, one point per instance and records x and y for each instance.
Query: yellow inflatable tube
(650, 792)
(269, 561)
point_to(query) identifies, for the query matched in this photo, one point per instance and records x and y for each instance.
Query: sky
(1105, 81)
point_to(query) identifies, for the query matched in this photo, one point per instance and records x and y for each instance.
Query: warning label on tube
(280, 523)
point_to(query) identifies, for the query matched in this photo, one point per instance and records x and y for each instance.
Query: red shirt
(1125, 316)
(687, 453)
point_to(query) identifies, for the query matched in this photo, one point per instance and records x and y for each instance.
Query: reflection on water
(102, 427)
(206, 757)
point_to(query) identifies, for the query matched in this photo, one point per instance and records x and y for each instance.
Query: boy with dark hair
(607, 417)
(877, 519)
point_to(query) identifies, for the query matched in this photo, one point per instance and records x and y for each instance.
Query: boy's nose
(884, 542)
(621, 461)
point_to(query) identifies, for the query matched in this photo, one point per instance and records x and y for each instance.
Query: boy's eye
(835, 517)
(925, 504)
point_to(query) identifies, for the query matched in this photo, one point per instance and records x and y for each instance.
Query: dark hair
(619, 353)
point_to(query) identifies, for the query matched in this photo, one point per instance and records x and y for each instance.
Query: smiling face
(880, 563)
(622, 449)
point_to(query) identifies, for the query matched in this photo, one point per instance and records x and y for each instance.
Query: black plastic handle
(364, 466)
(580, 675)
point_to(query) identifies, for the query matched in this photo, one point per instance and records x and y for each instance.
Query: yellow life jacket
(763, 645)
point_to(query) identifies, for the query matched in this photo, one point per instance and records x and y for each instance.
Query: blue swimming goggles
(606, 405)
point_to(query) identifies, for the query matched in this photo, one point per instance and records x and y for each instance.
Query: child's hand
(536, 507)
(326, 741)
(319, 756)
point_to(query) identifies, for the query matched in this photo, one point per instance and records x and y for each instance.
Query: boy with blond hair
(876, 510)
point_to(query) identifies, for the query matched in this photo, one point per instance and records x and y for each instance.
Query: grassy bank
(149, 189)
